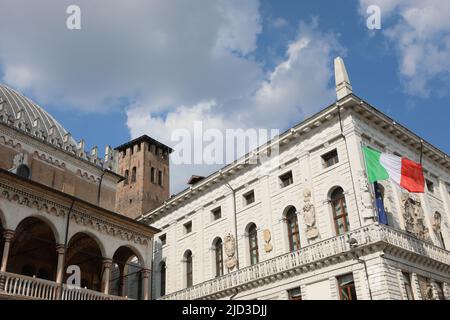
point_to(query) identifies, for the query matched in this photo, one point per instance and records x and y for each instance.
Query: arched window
(189, 269)
(218, 252)
(253, 244)
(292, 228)
(163, 278)
(127, 173)
(133, 175)
(340, 213)
(23, 171)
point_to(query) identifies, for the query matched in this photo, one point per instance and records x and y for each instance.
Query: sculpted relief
(414, 216)
(309, 215)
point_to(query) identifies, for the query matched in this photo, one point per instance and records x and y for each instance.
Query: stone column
(145, 287)
(61, 250)
(107, 263)
(8, 235)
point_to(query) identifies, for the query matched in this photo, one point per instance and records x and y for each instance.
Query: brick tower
(144, 162)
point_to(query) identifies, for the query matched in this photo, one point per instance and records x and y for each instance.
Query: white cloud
(175, 61)
(298, 86)
(167, 53)
(420, 33)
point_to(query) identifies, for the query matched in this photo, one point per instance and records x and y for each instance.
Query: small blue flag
(382, 217)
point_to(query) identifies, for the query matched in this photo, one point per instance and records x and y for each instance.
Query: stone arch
(86, 251)
(33, 249)
(126, 277)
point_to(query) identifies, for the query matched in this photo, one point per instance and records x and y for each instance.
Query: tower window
(160, 177)
(127, 173)
(153, 175)
(133, 175)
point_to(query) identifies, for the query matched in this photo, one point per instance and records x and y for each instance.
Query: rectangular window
(430, 186)
(347, 289)
(286, 179)
(160, 178)
(216, 214)
(330, 158)
(249, 198)
(295, 294)
(408, 287)
(163, 239)
(153, 175)
(187, 227)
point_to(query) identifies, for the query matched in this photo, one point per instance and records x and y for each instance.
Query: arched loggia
(84, 251)
(33, 250)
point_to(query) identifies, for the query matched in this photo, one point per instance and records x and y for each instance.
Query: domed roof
(32, 115)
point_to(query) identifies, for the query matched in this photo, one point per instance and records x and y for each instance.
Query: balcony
(16, 286)
(370, 238)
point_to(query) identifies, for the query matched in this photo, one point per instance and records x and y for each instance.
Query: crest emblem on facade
(230, 250)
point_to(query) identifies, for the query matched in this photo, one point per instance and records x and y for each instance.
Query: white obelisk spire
(343, 86)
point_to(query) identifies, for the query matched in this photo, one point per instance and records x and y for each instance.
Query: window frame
(349, 287)
(341, 201)
(282, 179)
(187, 227)
(215, 212)
(294, 244)
(327, 161)
(218, 255)
(246, 197)
(189, 269)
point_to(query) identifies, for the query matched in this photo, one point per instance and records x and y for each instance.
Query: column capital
(146, 273)
(107, 263)
(8, 235)
(60, 248)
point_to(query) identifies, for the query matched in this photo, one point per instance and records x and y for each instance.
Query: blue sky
(167, 64)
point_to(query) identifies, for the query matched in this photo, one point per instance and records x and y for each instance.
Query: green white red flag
(406, 173)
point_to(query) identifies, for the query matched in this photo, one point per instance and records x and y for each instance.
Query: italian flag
(381, 166)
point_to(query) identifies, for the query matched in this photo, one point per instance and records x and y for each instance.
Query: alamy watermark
(373, 21)
(213, 146)
(73, 21)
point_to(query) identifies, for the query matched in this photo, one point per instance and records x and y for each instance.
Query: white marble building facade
(317, 235)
